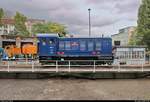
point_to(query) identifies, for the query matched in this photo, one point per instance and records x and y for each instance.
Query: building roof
(14, 36)
(114, 35)
(35, 20)
(7, 21)
(123, 29)
(12, 21)
(129, 27)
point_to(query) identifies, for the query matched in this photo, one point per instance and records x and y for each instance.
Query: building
(15, 40)
(8, 25)
(69, 35)
(129, 55)
(30, 22)
(8, 28)
(123, 37)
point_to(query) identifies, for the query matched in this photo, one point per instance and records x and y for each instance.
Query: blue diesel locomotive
(53, 47)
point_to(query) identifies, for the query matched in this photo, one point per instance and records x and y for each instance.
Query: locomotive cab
(47, 46)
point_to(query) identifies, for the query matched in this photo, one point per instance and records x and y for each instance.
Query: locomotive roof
(56, 35)
(87, 37)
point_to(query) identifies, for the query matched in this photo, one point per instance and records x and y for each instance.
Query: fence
(33, 65)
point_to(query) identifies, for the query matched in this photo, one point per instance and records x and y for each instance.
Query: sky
(107, 16)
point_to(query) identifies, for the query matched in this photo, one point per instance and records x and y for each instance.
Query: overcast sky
(107, 16)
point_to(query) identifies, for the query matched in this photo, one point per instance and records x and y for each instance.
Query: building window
(141, 54)
(133, 54)
(117, 43)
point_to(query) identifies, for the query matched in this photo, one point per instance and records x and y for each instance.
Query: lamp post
(89, 23)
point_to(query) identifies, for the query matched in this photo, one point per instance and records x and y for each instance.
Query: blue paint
(55, 46)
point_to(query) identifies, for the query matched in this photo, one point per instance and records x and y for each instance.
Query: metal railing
(33, 65)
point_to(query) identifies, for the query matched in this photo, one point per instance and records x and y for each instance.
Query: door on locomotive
(47, 46)
(107, 46)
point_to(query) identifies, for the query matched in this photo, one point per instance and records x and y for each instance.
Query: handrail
(93, 67)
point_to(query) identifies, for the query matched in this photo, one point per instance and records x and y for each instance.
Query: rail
(93, 66)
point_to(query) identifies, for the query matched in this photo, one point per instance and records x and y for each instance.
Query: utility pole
(89, 23)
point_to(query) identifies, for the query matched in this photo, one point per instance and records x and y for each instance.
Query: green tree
(57, 28)
(1, 15)
(133, 39)
(49, 27)
(40, 28)
(20, 27)
(143, 29)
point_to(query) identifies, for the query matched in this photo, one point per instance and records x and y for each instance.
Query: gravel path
(74, 89)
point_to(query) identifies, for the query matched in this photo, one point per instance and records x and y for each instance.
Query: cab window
(43, 41)
(51, 41)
